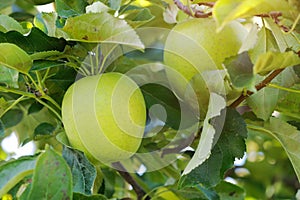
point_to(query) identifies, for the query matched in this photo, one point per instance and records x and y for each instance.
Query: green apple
(104, 116)
(193, 47)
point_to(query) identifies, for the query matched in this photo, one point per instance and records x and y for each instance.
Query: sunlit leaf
(225, 11)
(101, 27)
(275, 60)
(14, 171)
(51, 170)
(68, 8)
(137, 16)
(97, 7)
(265, 42)
(285, 41)
(209, 134)
(15, 58)
(3, 105)
(9, 24)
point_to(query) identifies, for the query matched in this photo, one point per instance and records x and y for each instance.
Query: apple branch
(187, 10)
(258, 87)
(129, 179)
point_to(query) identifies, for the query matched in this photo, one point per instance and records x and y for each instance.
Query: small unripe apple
(193, 47)
(104, 116)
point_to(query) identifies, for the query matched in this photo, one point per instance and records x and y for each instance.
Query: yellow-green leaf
(14, 58)
(275, 60)
(225, 11)
(101, 27)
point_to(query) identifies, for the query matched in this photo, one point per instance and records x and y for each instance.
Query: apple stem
(258, 87)
(129, 179)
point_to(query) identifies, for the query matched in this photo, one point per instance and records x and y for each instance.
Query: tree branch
(136, 187)
(258, 87)
(188, 11)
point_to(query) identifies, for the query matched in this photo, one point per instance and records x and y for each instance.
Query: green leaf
(229, 191)
(68, 8)
(52, 178)
(15, 58)
(263, 102)
(3, 106)
(35, 41)
(209, 134)
(285, 41)
(9, 24)
(115, 4)
(14, 171)
(97, 7)
(2, 129)
(25, 128)
(231, 141)
(78, 196)
(35, 107)
(60, 81)
(265, 42)
(240, 69)
(290, 104)
(9, 77)
(137, 16)
(101, 27)
(6, 4)
(12, 117)
(286, 134)
(155, 94)
(275, 60)
(62, 138)
(44, 55)
(44, 129)
(83, 172)
(46, 22)
(225, 11)
(45, 64)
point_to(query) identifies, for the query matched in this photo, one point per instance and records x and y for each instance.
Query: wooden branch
(136, 187)
(188, 11)
(258, 87)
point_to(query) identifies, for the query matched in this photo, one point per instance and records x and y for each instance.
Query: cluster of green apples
(104, 115)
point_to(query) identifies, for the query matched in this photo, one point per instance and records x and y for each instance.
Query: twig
(258, 87)
(187, 10)
(136, 187)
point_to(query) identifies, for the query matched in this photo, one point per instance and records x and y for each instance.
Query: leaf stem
(258, 87)
(12, 105)
(136, 187)
(283, 88)
(11, 90)
(49, 107)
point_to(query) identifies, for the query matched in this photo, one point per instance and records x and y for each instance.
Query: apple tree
(162, 99)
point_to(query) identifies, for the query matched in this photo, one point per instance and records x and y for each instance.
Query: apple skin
(194, 46)
(104, 116)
